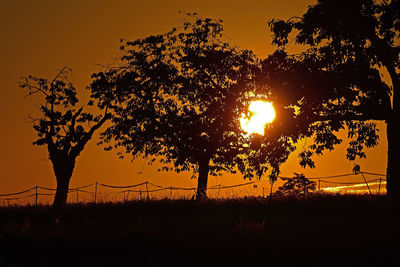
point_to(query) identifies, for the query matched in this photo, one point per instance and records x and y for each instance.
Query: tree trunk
(272, 185)
(393, 170)
(204, 167)
(393, 135)
(63, 171)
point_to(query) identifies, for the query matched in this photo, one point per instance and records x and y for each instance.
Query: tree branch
(77, 149)
(211, 79)
(31, 92)
(64, 69)
(71, 131)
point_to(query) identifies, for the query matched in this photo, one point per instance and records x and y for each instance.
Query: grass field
(323, 230)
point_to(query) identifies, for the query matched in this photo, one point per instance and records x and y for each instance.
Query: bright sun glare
(261, 113)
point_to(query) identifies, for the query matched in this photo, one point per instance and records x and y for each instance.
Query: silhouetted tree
(339, 80)
(180, 97)
(61, 126)
(297, 185)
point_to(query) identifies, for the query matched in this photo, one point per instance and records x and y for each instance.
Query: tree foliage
(337, 83)
(62, 126)
(297, 185)
(180, 96)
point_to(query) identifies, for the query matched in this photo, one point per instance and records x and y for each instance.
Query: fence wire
(7, 198)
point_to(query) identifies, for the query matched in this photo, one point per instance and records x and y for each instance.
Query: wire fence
(100, 192)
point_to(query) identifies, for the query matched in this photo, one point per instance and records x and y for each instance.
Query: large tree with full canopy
(63, 126)
(180, 97)
(339, 80)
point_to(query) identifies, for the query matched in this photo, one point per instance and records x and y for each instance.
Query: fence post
(127, 197)
(366, 183)
(319, 185)
(95, 193)
(140, 194)
(170, 193)
(270, 192)
(77, 197)
(379, 189)
(36, 195)
(147, 190)
(219, 189)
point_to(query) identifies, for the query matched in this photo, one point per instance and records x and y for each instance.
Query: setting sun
(261, 113)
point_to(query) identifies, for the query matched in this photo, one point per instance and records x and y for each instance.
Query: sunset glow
(261, 113)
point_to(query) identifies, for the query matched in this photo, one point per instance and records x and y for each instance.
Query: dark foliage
(178, 97)
(338, 82)
(297, 185)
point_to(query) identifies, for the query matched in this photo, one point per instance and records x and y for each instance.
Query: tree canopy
(351, 45)
(62, 125)
(297, 185)
(180, 96)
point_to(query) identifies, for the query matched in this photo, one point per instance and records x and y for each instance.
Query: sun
(262, 112)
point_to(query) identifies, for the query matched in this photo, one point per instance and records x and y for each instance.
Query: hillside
(322, 230)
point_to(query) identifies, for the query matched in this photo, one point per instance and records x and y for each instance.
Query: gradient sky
(40, 37)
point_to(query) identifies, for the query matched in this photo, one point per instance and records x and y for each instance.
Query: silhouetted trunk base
(63, 175)
(60, 199)
(204, 168)
(393, 169)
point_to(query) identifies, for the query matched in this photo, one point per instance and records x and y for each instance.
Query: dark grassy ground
(323, 230)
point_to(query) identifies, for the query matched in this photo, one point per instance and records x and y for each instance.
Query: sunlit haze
(261, 113)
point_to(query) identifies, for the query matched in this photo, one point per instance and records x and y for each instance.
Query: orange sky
(40, 37)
